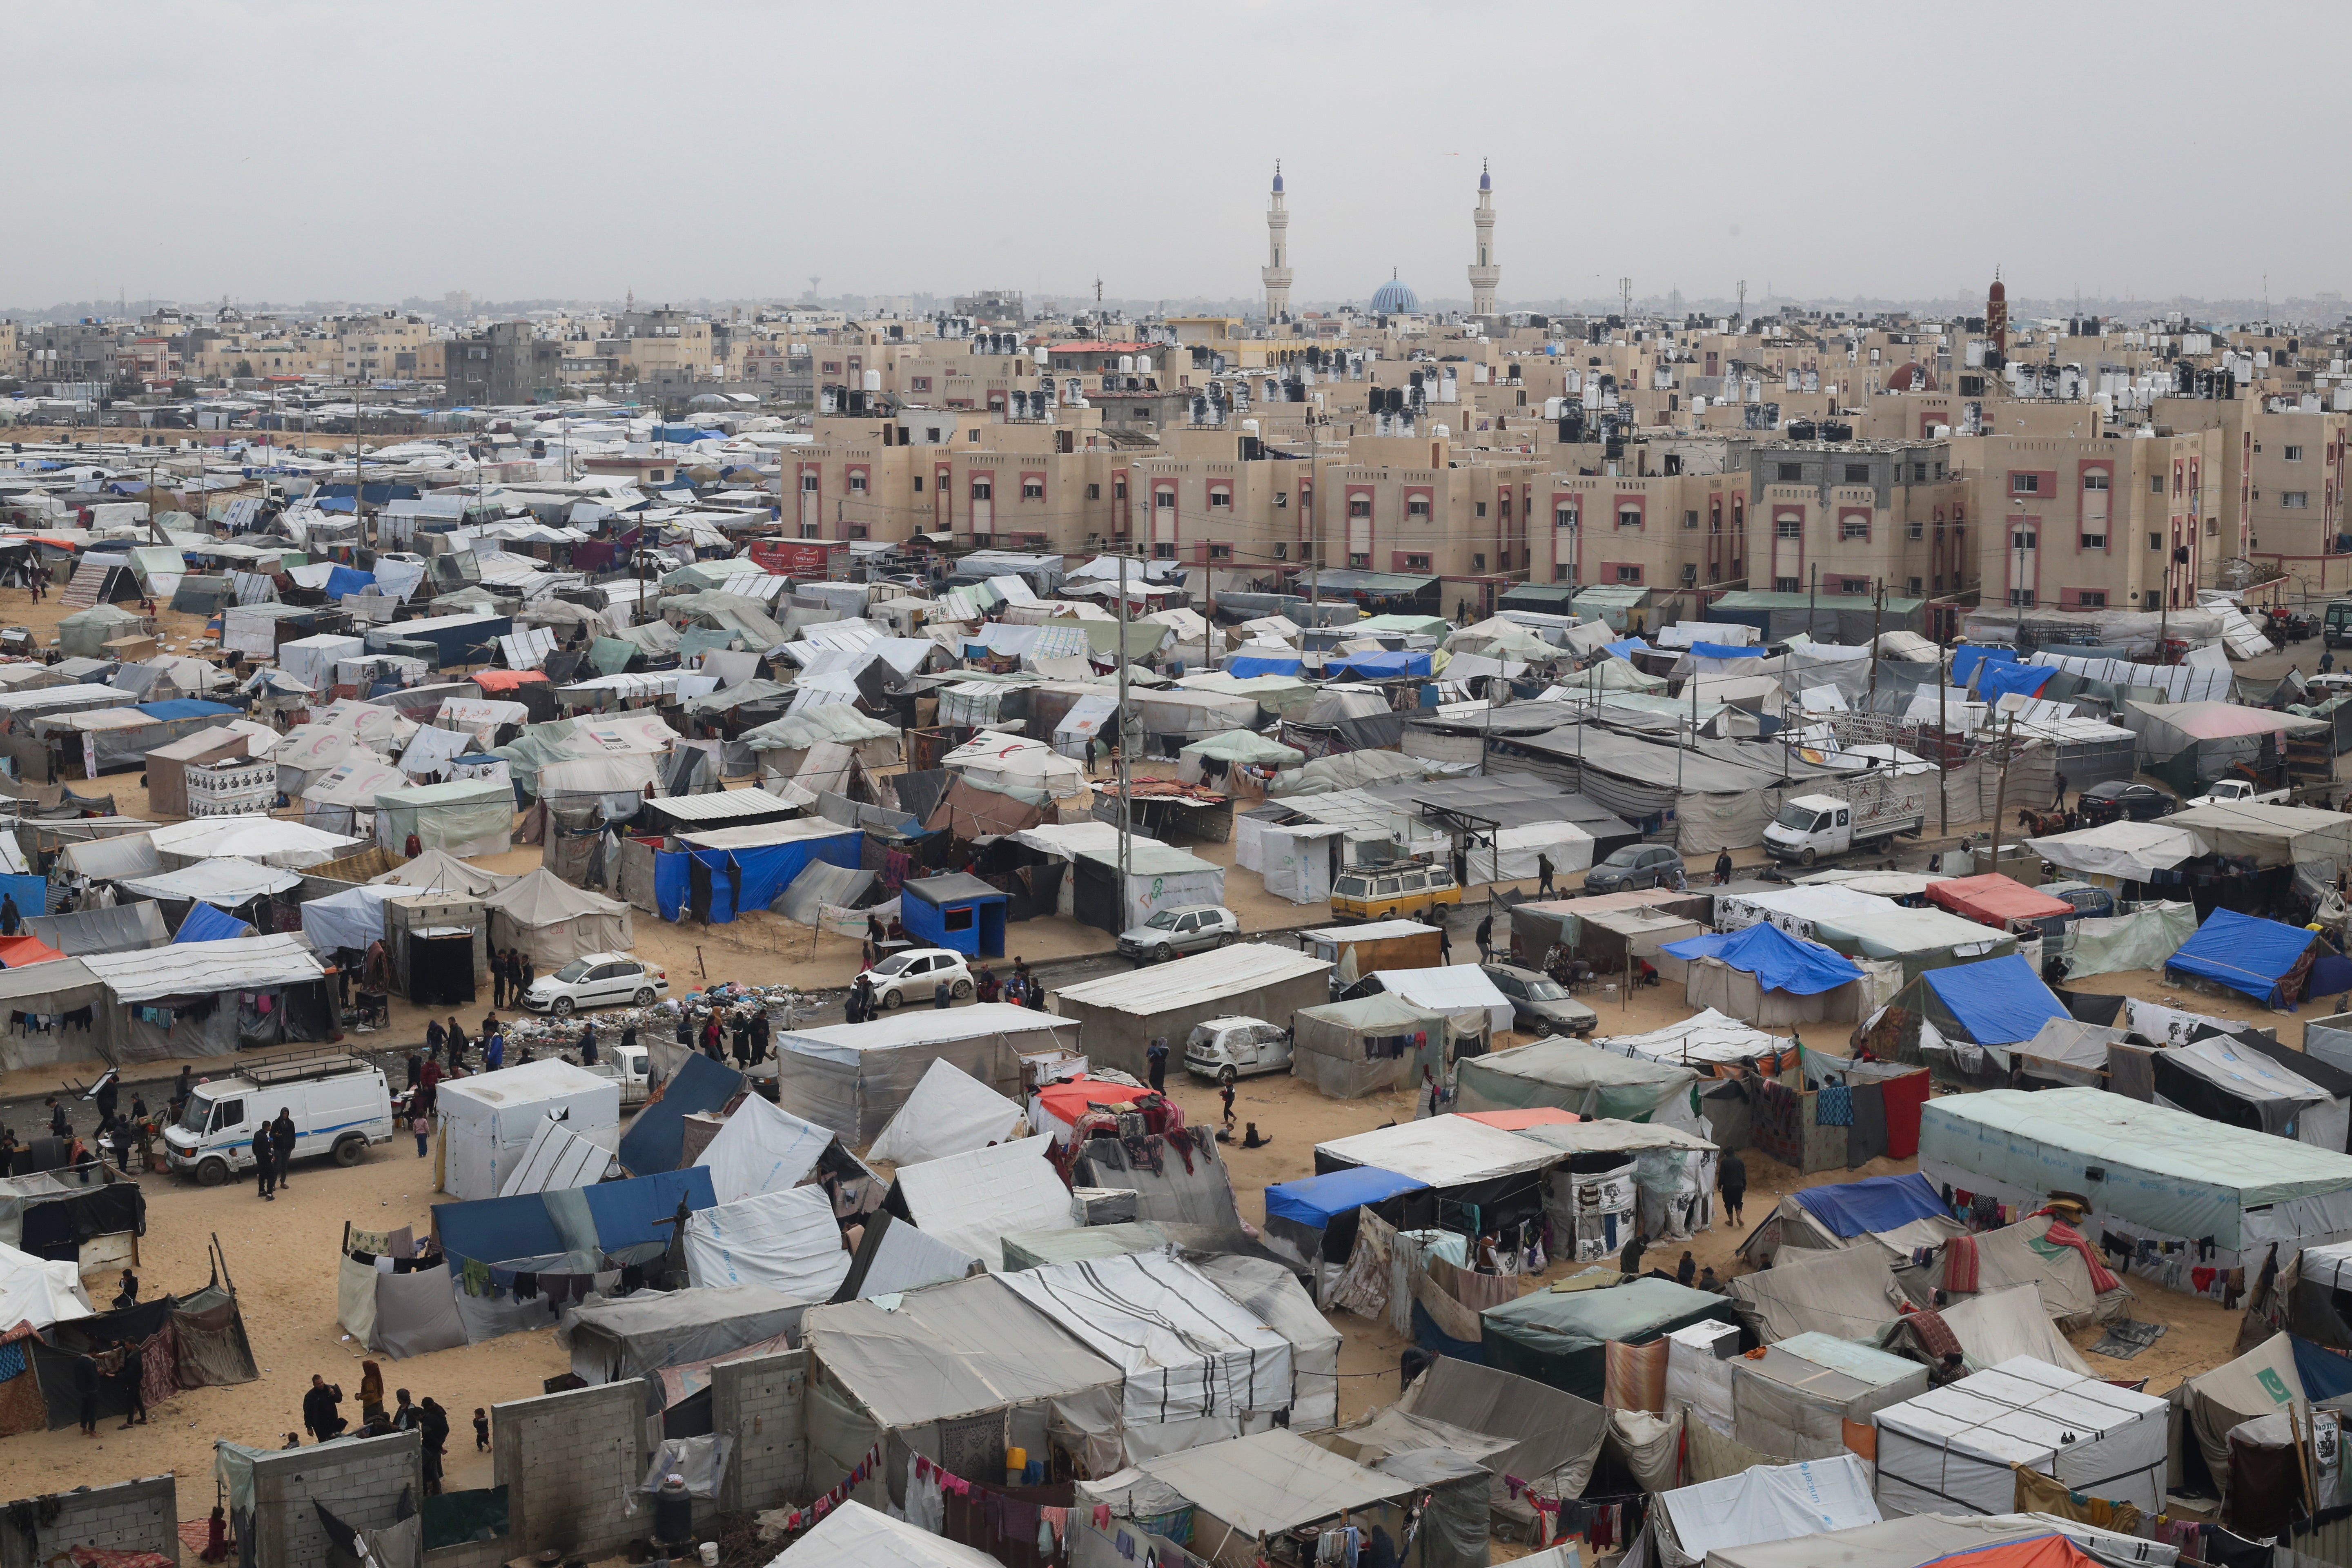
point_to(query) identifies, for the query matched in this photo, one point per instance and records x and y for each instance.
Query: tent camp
(551, 922)
(1952, 1448)
(2160, 1173)
(1900, 1214)
(971, 1201)
(1577, 1077)
(2267, 960)
(490, 1119)
(853, 1078)
(1559, 1338)
(1961, 1023)
(1122, 1013)
(1766, 976)
(466, 816)
(950, 1112)
(1348, 1049)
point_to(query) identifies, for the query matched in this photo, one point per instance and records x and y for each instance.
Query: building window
(1119, 489)
(1164, 498)
(1163, 551)
(1918, 473)
(1094, 492)
(808, 484)
(1480, 508)
(1789, 525)
(809, 531)
(1281, 500)
(2094, 541)
(2155, 539)
(857, 481)
(1221, 499)
(918, 484)
(2021, 539)
(1629, 516)
(1915, 529)
(2096, 479)
(1561, 571)
(1418, 506)
(2024, 484)
(1853, 585)
(857, 530)
(1857, 473)
(1281, 551)
(919, 384)
(1359, 558)
(982, 490)
(1911, 587)
(1032, 490)
(1564, 516)
(2294, 500)
(1690, 517)
(1477, 563)
(832, 367)
(1787, 585)
(2090, 598)
(2292, 454)
(1629, 574)
(1854, 528)
(1360, 506)
(2021, 597)
(1416, 562)
(1221, 552)
(2155, 484)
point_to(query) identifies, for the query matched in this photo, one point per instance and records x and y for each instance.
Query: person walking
(12, 919)
(1543, 873)
(2060, 804)
(85, 1378)
(458, 1044)
(713, 1038)
(1731, 1180)
(436, 1039)
(321, 1417)
(122, 1144)
(499, 978)
(1722, 867)
(1487, 940)
(588, 1044)
(759, 1036)
(420, 1124)
(1155, 1057)
(494, 1051)
(265, 1162)
(1225, 1097)
(1445, 943)
(282, 1143)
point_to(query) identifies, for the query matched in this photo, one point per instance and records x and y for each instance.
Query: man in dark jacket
(1486, 939)
(1543, 873)
(499, 978)
(1629, 1262)
(281, 1142)
(319, 1413)
(11, 918)
(265, 1162)
(1731, 1178)
(1687, 1269)
(85, 1377)
(1722, 866)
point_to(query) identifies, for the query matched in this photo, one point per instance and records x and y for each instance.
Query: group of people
(273, 1152)
(451, 1039)
(1021, 988)
(748, 1026)
(512, 974)
(323, 1418)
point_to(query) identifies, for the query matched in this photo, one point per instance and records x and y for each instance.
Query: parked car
(1416, 890)
(1179, 929)
(2119, 798)
(915, 976)
(1246, 1045)
(1635, 865)
(340, 1106)
(2242, 791)
(598, 980)
(1540, 1004)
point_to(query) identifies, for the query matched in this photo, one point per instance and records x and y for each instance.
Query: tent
(950, 1112)
(1996, 900)
(167, 766)
(1121, 1013)
(1159, 877)
(2161, 1174)
(2222, 1080)
(2122, 850)
(1575, 1077)
(1766, 976)
(1961, 1023)
(1901, 1213)
(1316, 1215)
(1231, 750)
(1558, 1338)
(1710, 1041)
(971, 1199)
(1349, 1050)
(85, 633)
(488, 1120)
(616, 1339)
(1616, 1176)
(352, 918)
(1269, 1484)
(287, 845)
(1476, 1174)
(1796, 1398)
(2267, 960)
(762, 1149)
(40, 1291)
(1551, 1439)
(438, 870)
(2270, 834)
(788, 1241)
(953, 910)
(209, 998)
(2042, 1250)
(855, 1536)
(2138, 936)
(551, 922)
(1848, 1293)
(556, 1160)
(2005, 1540)
(852, 1078)
(1463, 991)
(1769, 1502)
(1952, 1448)
(466, 816)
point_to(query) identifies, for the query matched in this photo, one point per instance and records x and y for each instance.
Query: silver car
(1179, 929)
(1540, 1004)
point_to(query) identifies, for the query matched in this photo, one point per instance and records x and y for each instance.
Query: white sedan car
(911, 977)
(598, 980)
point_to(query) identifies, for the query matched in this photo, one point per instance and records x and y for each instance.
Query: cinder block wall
(361, 1482)
(128, 1516)
(571, 1463)
(760, 1402)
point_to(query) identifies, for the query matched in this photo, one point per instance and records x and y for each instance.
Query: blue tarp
(491, 1230)
(655, 1141)
(183, 707)
(207, 923)
(1878, 1203)
(2325, 1374)
(1376, 666)
(1313, 1201)
(1779, 961)
(1965, 659)
(748, 879)
(625, 1212)
(1998, 680)
(1627, 649)
(1998, 1002)
(2244, 953)
(1263, 664)
(31, 894)
(342, 580)
(1724, 650)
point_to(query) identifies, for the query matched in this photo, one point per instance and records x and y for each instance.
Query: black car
(2119, 798)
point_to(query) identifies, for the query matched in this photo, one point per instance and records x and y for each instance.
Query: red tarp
(1067, 1100)
(2041, 1552)
(505, 679)
(1902, 1097)
(1994, 900)
(16, 952)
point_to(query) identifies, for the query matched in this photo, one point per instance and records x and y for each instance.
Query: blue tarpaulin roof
(1627, 649)
(342, 580)
(2244, 953)
(1999, 1001)
(1876, 1203)
(1263, 664)
(1965, 659)
(207, 923)
(1998, 680)
(490, 1230)
(1723, 650)
(183, 707)
(1313, 1201)
(1779, 962)
(657, 1140)
(1378, 666)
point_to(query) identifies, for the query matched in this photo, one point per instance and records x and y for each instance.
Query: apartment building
(386, 346)
(2107, 523)
(962, 476)
(506, 362)
(2282, 474)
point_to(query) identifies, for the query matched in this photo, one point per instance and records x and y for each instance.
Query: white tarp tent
(1951, 1449)
(855, 1536)
(951, 1113)
(788, 1241)
(1273, 1292)
(972, 1201)
(489, 1119)
(1769, 1502)
(556, 1160)
(761, 1148)
(2126, 850)
(1513, 854)
(36, 1291)
(352, 918)
(1264, 1485)
(287, 845)
(1453, 990)
(1299, 861)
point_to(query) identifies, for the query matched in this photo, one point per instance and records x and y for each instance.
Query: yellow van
(1410, 890)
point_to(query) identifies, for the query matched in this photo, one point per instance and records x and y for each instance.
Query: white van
(339, 1104)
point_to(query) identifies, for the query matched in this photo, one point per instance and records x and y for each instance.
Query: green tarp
(1569, 1077)
(1560, 1338)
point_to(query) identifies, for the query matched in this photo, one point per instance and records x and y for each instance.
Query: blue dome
(1394, 299)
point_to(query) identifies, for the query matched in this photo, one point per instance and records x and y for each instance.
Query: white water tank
(1126, 365)
(873, 381)
(1143, 364)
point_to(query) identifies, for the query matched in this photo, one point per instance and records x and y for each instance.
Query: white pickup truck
(630, 1068)
(1868, 813)
(2240, 792)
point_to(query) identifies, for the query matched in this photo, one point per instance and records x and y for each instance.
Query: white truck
(339, 1105)
(2242, 791)
(631, 1069)
(1866, 813)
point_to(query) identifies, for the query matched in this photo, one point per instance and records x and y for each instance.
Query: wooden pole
(2000, 791)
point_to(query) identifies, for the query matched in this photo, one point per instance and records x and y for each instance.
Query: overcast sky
(326, 151)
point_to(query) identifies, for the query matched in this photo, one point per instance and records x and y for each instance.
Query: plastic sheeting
(1951, 1450)
(1348, 1050)
(1272, 1292)
(2145, 938)
(788, 1241)
(489, 1119)
(852, 1078)
(950, 1112)
(971, 1201)
(762, 1149)
(1768, 1503)
(615, 1340)
(1998, 1002)
(1779, 962)
(2247, 953)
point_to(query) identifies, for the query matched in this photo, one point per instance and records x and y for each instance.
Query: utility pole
(1119, 749)
(2000, 791)
(1943, 746)
(1877, 609)
(1812, 599)
(1314, 535)
(1739, 321)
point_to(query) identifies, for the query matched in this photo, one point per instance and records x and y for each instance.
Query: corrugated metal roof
(721, 805)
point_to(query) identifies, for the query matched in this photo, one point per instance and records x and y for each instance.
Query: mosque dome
(1394, 299)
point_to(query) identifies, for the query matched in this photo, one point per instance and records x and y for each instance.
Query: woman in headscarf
(370, 1392)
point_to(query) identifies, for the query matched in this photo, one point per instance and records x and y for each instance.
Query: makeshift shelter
(1122, 1014)
(656, 1141)
(2267, 960)
(764, 1149)
(719, 873)
(853, 1078)
(1316, 1215)
(1220, 760)
(1550, 1438)
(2123, 851)
(1963, 1023)
(34, 1002)
(1481, 1179)
(287, 845)
(1619, 1175)
(438, 870)
(2189, 745)
(617, 1338)
(950, 1112)
(351, 918)
(167, 766)
(953, 910)
(854, 1536)
(465, 816)
(1769, 1502)
(2001, 902)
(1953, 1449)
(342, 799)
(1579, 1077)
(2138, 936)
(1360, 949)
(2270, 834)
(1349, 1050)
(210, 998)
(2222, 1080)
(1158, 877)
(2160, 1173)
(1766, 976)
(2075, 1286)
(85, 633)
(194, 1340)
(490, 1119)
(1847, 1294)
(1836, 1112)
(1796, 1399)
(1560, 1338)
(1900, 1214)
(1465, 992)
(1271, 1483)
(971, 1199)
(40, 1291)
(1709, 1041)
(789, 1241)
(551, 922)
(556, 1160)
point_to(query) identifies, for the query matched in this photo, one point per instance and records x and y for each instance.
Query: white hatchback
(598, 980)
(914, 976)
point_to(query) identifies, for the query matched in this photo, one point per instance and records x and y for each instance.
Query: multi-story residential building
(2282, 474)
(508, 362)
(380, 347)
(2099, 524)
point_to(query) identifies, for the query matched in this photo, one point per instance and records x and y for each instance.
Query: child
(481, 1430)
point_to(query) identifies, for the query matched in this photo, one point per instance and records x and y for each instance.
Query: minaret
(1484, 272)
(1276, 273)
